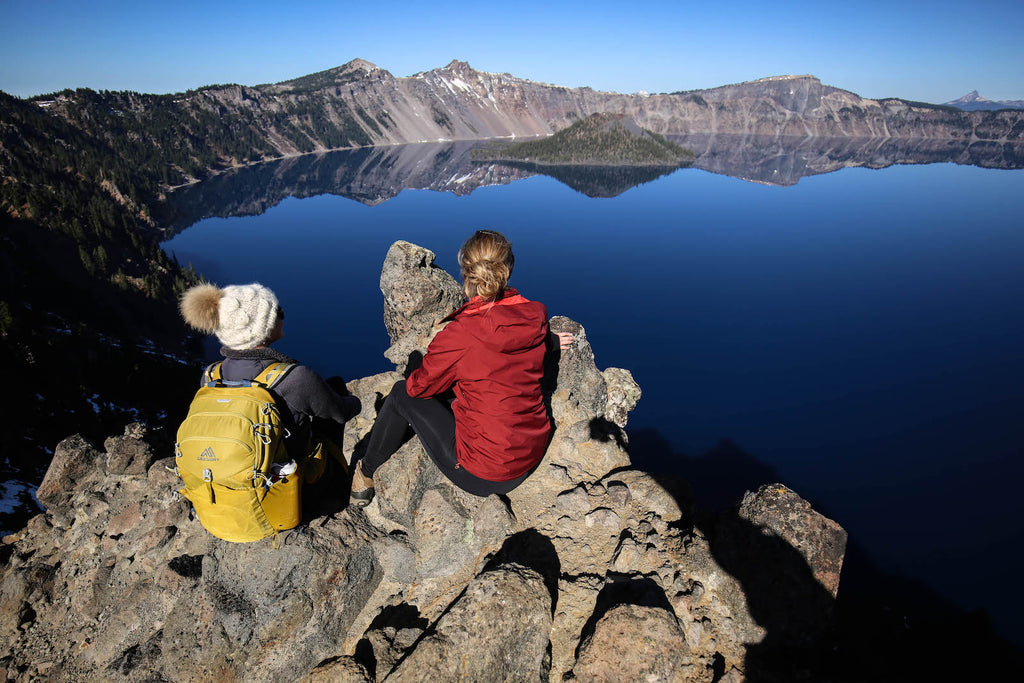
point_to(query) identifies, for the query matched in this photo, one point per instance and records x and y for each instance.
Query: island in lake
(597, 140)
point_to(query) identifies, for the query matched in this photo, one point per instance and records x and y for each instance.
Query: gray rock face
(497, 631)
(417, 295)
(65, 472)
(633, 643)
(117, 581)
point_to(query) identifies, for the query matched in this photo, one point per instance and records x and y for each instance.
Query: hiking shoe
(362, 487)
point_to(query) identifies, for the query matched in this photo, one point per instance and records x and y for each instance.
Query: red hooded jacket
(493, 355)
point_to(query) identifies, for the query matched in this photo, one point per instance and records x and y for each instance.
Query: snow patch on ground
(16, 497)
(13, 494)
(99, 407)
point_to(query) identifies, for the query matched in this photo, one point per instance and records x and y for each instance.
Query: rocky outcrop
(590, 570)
(417, 296)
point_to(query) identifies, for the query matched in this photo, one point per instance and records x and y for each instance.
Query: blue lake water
(858, 336)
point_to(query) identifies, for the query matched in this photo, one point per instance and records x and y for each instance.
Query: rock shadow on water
(719, 477)
(894, 628)
(877, 627)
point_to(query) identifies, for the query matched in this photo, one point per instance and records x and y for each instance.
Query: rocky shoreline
(591, 570)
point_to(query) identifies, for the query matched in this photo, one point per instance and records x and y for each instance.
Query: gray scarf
(263, 353)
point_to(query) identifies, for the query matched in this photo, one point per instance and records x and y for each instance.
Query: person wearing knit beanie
(247, 319)
(242, 316)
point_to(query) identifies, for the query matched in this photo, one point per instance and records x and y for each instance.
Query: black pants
(433, 421)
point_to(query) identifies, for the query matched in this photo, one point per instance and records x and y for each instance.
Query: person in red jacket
(490, 355)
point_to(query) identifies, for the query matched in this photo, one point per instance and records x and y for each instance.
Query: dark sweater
(307, 395)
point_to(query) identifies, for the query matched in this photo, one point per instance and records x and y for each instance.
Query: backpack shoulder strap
(212, 373)
(273, 373)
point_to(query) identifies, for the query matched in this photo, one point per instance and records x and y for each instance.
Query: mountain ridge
(360, 104)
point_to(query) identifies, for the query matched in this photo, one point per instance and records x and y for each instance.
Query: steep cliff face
(359, 104)
(458, 102)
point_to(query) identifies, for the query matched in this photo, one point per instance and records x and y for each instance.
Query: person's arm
(317, 399)
(438, 371)
(351, 405)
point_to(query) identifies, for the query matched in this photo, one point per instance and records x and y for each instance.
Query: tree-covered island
(598, 140)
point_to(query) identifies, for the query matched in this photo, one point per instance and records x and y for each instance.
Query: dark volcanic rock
(779, 510)
(73, 460)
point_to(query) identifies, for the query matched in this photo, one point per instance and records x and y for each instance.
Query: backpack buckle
(207, 474)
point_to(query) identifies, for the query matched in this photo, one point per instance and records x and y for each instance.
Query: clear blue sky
(932, 51)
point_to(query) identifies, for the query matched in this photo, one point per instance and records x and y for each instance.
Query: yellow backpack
(225, 455)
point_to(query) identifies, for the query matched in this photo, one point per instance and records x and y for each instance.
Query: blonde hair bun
(486, 262)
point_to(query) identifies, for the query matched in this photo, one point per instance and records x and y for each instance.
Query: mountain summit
(972, 101)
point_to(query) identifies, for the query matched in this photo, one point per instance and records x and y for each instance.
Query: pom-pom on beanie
(242, 316)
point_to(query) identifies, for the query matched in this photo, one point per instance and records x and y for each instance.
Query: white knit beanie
(242, 316)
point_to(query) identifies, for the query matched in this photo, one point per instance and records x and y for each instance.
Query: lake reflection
(374, 175)
(856, 335)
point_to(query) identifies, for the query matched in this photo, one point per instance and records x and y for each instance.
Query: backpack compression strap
(212, 373)
(272, 374)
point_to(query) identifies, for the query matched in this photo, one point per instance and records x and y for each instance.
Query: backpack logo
(208, 454)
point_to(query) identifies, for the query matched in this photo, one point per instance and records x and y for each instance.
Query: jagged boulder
(117, 580)
(417, 295)
(778, 510)
(73, 459)
(496, 631)
(635, 643)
